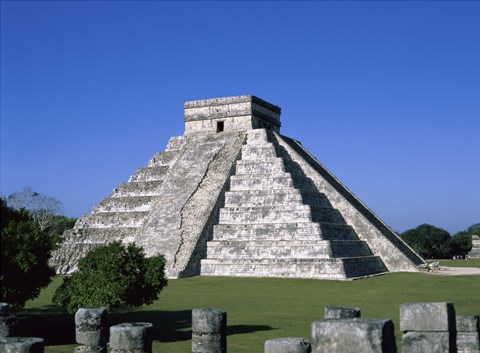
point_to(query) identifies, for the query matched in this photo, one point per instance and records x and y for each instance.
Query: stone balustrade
(425, 327)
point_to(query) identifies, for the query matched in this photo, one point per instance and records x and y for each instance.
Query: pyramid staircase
(275, 223)
(121, 215)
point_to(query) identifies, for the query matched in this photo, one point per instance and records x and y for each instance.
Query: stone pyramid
(233, 197)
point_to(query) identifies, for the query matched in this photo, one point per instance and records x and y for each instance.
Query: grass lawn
(257, 309)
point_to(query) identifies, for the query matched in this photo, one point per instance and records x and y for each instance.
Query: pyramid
(233, 197)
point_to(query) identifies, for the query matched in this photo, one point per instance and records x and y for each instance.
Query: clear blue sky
(385, 94)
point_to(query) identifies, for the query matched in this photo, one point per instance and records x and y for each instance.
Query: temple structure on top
(233, 197)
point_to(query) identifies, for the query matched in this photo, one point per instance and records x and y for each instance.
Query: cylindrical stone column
(335, 312)
(209, 331)
(91, 330)
(131, 337)
(7, 322)
(21, 345)
(353, 336)
(287, 345)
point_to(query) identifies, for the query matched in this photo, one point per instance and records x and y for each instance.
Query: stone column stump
(209, 331)
(131, 337)
(428, 327)
(21, 345)
(334, 312)
(360, 335)
(7, 322)
(468, 334)
(287, 345)
(91, 330)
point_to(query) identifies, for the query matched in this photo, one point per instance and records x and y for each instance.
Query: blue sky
(385, 94)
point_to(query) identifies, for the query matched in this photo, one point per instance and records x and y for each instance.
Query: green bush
(111, 275)
(25, 251)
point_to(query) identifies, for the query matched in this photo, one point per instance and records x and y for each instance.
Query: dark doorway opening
(220, 126)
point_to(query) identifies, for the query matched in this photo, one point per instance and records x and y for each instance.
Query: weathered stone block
(21, 345)
(287, 345)
(468, 342)
(4, 309)
(91, 326)
(427, 317)
(131, 337)
(7, 326)
(209, 320)
(209, 331)
(468, 323)
(353, 336)
(89, 349)
(431, 342)
(333, 312)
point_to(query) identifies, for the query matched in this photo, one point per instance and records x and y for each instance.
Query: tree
(42, 208)
(25, 251)
(111, 275)
(429, 241)
(462, 241)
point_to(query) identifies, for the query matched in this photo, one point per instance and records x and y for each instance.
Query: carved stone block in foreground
(287, 345)
(334, 312)
(234, 197)
(91, 330)
(209, 331)
(468, 334)
(22, 345)
(353, 336)
(131, 337)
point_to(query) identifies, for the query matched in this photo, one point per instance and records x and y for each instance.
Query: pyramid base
(328, 269)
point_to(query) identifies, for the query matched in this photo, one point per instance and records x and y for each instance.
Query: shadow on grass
(57, 327)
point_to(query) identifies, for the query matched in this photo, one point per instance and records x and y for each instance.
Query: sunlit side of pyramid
(233, 197)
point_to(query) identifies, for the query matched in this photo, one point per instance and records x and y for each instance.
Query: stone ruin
(234, 197)
(475, 252)
(425, 328)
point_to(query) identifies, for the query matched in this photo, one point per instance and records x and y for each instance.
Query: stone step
(99, 235)
(267, 231)
(255, 152)
(265, 197)
(287, 249)
(265, 166)
(124, 204)
(175, 143)
(339, 269)
(260, 181)
(144, 188)
(283, 214)
(163, 158)
(267, 249)
(284, 231)
(150, 173)
(115, 219)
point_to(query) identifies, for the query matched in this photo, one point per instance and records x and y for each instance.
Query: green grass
(257, 309)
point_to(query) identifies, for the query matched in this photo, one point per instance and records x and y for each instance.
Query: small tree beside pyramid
(111, 275)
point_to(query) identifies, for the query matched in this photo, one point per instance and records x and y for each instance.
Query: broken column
(428, 327)
(287, 345)
(7, 322)
(335, 312)
(91, 330)
(209, 331)
(361, 335)
(468, 334)
(131, 337)
(21, 345)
